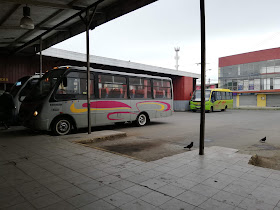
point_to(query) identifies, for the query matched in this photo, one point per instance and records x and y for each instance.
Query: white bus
(20, 89)
(58, 102)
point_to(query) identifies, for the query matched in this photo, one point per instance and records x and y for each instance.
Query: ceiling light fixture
(26, 22)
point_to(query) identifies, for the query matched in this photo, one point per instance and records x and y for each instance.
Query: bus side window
(139, 88)
(112, 86)
(228, 96)
(162, 89)
(219, 96)
(223, 95)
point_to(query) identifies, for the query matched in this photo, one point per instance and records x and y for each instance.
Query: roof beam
(59, 24)
(9, 43)
(28, 33)
(43, 4)
(9, 13)
(38, 28)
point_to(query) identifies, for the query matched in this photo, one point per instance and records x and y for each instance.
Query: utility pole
(177, 49)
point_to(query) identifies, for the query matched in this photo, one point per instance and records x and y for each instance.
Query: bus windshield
(45, 85)
(17, 86)
(197, 95)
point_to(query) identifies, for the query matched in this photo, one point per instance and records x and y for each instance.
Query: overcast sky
(149, 35)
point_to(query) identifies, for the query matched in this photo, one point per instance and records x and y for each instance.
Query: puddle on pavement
(143, 150)
(129, 149)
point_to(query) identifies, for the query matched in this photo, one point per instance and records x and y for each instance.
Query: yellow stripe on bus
(162, 106)
(75, 110)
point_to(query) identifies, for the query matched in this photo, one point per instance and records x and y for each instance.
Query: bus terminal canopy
(54, 21)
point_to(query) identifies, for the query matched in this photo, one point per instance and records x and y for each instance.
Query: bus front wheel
(61, 126)
(142, 119)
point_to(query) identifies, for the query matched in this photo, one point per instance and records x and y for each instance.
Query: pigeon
(263, 139)
(189, 146)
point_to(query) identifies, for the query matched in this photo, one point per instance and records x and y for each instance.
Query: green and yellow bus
(215, 99)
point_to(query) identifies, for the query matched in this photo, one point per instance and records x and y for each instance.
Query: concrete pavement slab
(86, 178)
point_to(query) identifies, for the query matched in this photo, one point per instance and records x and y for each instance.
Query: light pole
(206, 76)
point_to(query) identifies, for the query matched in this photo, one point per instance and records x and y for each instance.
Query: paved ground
(38, 171)
(52, 173)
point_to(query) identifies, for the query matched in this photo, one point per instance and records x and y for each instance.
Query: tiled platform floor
(52, 173)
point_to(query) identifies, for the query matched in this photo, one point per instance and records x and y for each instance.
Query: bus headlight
(35, 113)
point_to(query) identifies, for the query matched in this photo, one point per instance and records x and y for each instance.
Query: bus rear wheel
(61, 126)
(224, 109)
(142, 119)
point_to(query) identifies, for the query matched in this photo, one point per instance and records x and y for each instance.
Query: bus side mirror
(21, 98)
(64, 81)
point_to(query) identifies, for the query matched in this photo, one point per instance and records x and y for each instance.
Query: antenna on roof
(177, 49)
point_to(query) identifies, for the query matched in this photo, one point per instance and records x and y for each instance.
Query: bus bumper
(37, 124)
(195, 107)
(198, 108)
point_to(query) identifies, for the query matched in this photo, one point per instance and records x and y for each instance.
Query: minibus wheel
(142, 119)
(61, 126)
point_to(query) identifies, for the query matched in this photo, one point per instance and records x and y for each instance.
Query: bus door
(216, 100)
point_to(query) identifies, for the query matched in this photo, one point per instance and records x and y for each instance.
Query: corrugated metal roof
(47, 14)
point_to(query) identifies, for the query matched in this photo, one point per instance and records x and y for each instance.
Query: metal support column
(87, 21)
(203, 58)
(41, 57)
(88, 73)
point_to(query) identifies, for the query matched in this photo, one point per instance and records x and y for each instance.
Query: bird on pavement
(263, 139)
(189, 146)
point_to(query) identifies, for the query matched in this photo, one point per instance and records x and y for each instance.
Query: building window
(240, 84)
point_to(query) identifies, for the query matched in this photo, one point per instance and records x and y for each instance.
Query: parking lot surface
(238, 129)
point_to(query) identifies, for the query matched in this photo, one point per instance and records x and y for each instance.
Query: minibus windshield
(45, 85)
(17, 86)
(197, 95)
